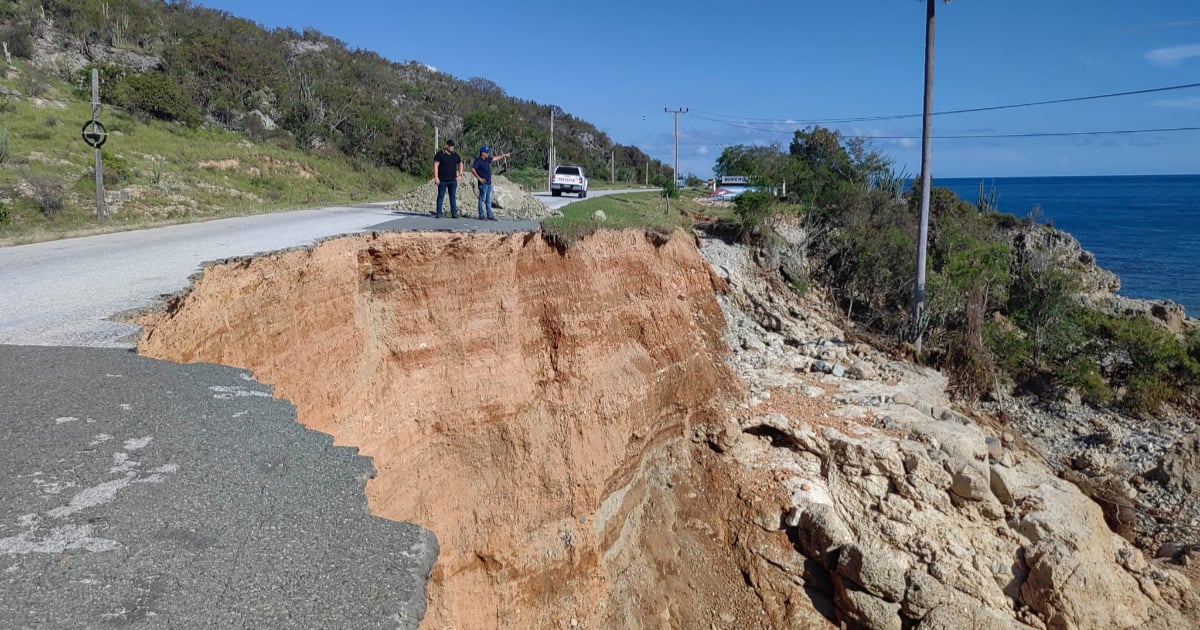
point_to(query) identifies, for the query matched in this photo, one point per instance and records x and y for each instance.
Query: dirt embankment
(530, 407)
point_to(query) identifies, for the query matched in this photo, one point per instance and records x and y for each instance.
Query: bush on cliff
(992, 313)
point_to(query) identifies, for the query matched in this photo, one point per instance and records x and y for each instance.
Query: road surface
(137, 493)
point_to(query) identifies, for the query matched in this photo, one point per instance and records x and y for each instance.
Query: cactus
(3, 144)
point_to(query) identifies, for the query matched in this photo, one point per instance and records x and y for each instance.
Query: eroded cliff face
(528, 406)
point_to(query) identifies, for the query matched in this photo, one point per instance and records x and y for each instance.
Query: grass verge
(647, 211)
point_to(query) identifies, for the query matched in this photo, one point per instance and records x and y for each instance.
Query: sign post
(96, 139)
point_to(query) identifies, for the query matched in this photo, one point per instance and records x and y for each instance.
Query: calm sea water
(1146, 229)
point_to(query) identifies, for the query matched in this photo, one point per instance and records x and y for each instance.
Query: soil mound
(508, 200)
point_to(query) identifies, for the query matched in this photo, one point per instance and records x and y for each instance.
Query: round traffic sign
(94, 134)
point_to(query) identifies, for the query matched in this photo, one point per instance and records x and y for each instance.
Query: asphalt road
(63, 293)
(137, 493)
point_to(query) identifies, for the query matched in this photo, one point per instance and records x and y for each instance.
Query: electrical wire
(1035, 134)
(713, 117)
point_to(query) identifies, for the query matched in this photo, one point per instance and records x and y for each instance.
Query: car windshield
(566, 170)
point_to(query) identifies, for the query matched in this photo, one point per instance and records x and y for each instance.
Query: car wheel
(556, 193)
(582, 194)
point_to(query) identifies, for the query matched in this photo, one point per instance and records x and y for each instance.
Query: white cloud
(703, 150)
(1172, 56)
(1191, 102)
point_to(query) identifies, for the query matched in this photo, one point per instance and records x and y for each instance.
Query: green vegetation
(753, 207)
(158, 172)
(648, 211)
(213, 114)
(994, 313)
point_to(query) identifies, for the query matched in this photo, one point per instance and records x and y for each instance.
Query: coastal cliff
(620, 435)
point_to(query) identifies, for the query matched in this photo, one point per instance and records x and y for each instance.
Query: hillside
(211, 114)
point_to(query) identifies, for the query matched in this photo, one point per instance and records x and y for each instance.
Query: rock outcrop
(1044, 247)
(55, 49)
(907, 512)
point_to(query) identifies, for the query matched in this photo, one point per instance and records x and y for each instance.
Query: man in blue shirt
(482, 170)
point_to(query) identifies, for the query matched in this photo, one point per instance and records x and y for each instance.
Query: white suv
(569, 179)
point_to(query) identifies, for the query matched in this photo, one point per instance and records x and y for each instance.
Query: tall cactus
(3, 144)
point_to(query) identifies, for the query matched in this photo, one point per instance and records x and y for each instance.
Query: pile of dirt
(508, 200)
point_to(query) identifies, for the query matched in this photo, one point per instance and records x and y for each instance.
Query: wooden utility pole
(612, 165)
(550, 161)
(677, 112)
(101, 210)
(437, 141)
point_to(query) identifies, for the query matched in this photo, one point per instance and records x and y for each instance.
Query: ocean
(1146, 229)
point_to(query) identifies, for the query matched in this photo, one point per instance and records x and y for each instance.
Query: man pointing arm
(482, 170)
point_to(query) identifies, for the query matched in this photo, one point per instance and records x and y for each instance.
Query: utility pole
(647, 173)
(926, 179)
(612, 165)
(101, 209)
(677, 112)
(550, 155)
(437, 146)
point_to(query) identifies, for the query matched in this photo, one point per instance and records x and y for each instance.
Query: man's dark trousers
(452, 186)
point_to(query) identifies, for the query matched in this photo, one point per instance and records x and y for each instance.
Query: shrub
(753, 207)
(671, 189)
(1010, 346)
(1154, 365)
(1147, 392)
(1082, 374)
(19, 37)
(116, 169)
(49, 193)
(3, 145)
(5, 214)
(155, 94)
(35, 80)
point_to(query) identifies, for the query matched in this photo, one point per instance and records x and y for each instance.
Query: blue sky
(746, 68)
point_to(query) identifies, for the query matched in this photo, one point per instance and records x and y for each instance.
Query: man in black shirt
(447, 170)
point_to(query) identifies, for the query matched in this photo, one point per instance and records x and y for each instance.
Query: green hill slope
(214, 114)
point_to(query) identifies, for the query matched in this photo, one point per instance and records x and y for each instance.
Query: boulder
(1180, 467)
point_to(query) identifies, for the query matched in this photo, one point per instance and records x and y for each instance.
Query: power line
(713, 117)
(1035, 134)
(1031, 134)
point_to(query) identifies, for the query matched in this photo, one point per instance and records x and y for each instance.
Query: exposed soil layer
(531, 407)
